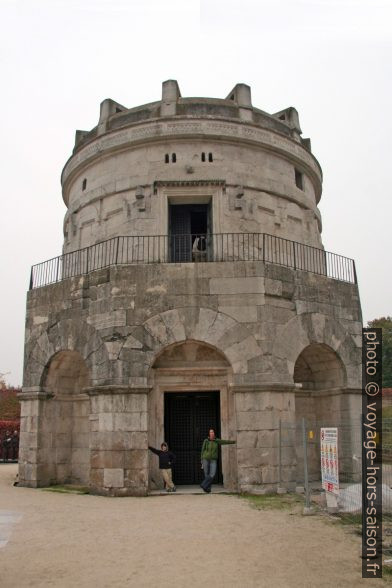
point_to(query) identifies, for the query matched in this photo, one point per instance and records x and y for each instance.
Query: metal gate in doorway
(188, 418)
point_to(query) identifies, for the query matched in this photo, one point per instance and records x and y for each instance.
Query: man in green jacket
(209, 458)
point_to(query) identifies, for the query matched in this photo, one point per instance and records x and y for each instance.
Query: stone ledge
(34, 393)
(273, 387)
(314, 393)
(96, 390)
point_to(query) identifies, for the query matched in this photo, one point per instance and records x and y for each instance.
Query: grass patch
(387, 573)
(349, 519)
(67, 489)
(274, 501)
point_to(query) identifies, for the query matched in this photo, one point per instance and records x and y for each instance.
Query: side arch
(65, 335)
(64, 425)
(315, 328)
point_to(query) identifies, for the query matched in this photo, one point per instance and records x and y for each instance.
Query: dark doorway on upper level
(189, 228)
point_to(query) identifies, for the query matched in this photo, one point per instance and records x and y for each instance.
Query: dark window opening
(282, 117)
(203, 156)
(84, 185)
(232, 97)
(167, 158)
(210, 157)
(118, 110)
(299, 179)
(174, 158)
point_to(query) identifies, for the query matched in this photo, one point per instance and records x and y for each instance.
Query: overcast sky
(331, 59)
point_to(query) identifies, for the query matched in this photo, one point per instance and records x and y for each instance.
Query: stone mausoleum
(193, 292)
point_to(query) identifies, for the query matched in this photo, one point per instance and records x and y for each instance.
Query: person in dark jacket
(166, 460)
(15, 445)
(209, 458)
(6, 446)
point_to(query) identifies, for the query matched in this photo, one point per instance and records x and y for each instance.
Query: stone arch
(319, 367)
(321, 374)
(65, 420)
(321, 401)
(66, 335)
(216, 329)
(185, 353)
(191, 367)
(315, 328)
(65, 375)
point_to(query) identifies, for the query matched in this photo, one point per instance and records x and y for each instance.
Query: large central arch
(186, 368)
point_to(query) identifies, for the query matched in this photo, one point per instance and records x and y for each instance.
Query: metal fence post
(306, 475)
(280, 455)
(117, 246)
(294, 256)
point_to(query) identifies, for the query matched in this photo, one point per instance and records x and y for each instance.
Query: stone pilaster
(33, 468)
(118, 440)
(259, 409)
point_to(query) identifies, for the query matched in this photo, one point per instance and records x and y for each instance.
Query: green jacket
(210, 449)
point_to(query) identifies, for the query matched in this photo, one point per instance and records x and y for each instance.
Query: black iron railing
(193, 248)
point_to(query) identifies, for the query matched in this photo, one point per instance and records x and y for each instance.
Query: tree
(386, 324)
(9, 403)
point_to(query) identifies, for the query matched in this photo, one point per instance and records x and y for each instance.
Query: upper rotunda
(191, 165)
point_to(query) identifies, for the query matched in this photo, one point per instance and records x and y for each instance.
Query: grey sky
(60, 58)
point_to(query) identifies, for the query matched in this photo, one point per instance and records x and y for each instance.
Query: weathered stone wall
(259, 317)
(118, 441)
(271, 201)
(272, 182)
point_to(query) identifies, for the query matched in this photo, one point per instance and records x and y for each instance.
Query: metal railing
(195, 248)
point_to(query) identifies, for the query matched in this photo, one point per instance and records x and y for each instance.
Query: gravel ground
(69, 540)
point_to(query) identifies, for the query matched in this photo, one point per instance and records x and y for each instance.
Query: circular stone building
(193, 292)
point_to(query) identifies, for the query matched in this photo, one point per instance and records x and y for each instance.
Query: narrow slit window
(167, 158)
(299, 182)
(203, 156)
(174, 158)
(84, 184)
(210, 157)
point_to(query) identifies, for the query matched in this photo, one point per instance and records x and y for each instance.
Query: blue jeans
(209, 468)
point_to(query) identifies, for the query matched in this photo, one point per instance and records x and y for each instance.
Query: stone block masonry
(186, 220)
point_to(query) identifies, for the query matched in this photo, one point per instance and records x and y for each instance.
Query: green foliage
(273, 501)
(67, 489)
(386, 324)
(9, 404)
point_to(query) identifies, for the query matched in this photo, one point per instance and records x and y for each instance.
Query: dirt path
(68, 540)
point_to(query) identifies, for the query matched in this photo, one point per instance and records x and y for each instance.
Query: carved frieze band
(158, 130)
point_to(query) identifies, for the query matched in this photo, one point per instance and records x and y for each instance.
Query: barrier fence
(299, 469)
(196, 248)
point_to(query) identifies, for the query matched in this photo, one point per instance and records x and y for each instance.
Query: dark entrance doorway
(188, 418)
(189, 227)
